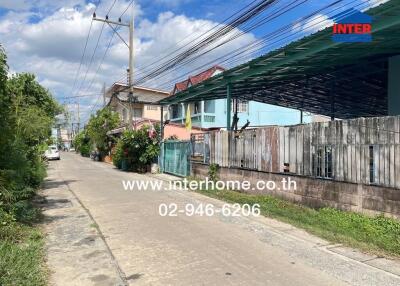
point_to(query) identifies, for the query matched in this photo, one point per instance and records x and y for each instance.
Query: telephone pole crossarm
(130, 25)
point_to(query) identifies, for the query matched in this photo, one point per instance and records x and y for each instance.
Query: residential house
(212, 113)
(144, 103)
(145, 110)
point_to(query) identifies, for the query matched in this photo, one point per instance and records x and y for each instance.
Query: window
(242, 105)
(137, 113)
(176, 111)
(322, 162)
(197, 107)
(371, 165)
(328, 161)
(209, 106)
(152, 107)
(319, 163)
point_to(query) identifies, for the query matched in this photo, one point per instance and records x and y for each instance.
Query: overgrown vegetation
(136, 149)
(94, 136)
(27, 112)
(213, 172)
(378, 234)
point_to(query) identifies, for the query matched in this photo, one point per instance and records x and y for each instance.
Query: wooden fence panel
(269, 148)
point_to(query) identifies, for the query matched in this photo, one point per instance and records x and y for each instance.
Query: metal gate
(176, 157)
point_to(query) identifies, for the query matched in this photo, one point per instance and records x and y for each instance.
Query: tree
(26, 92)
(27, 113)
(98, 126)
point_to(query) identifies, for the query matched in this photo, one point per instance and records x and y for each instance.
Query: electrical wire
(242, 18)
(95, 49)
(104, 55)
(276, 34)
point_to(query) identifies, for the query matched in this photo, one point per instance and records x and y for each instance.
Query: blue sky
(46, 37)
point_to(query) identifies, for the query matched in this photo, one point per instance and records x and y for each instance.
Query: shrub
(138, 147)
(118, 154)
(213, 172)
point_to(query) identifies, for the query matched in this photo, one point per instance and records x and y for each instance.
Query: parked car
(52, 153)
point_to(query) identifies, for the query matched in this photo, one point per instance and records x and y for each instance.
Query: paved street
(109, 236)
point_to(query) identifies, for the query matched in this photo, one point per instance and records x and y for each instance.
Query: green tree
(98, 126)
(27, 92)
(27, 113)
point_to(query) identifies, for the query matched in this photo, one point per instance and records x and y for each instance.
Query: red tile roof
(193, 80)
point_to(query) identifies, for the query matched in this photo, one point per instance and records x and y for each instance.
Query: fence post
(228, 106)
(228, 119)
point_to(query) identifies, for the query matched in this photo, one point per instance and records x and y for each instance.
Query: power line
(95, 49)
(82, 57)
(274, 35)
(115, 30)
(242, 18)
(240, 33)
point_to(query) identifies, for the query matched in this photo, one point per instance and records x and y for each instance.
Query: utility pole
(131, 48)
(104, 94)
(79, 117)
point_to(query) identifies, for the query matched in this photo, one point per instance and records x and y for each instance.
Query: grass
(378, 235)
(21, 254)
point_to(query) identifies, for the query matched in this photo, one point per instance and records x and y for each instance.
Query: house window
(152, 107)
(137, 113)
(322, 162)
(197, 107)
(328, 161)
(209, 106)
(371, 165)
(318, 169)
(176, 111)
(242, 105)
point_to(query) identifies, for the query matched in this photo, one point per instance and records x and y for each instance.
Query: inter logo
(352, 26)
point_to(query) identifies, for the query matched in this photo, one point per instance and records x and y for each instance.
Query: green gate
(176, 157)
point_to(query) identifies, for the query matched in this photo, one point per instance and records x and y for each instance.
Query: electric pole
(130, 46)
(79, 117)
(104, 94)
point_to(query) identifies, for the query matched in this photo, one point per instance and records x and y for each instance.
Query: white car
(52, 153)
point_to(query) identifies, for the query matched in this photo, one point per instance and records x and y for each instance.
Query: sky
(47, 38)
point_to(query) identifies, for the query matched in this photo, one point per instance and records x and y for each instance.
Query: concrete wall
(317, 193)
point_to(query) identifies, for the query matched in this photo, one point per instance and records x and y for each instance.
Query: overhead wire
(276, 34)
(237, 21)
(115, 30)
(242, 32)
(95, 49)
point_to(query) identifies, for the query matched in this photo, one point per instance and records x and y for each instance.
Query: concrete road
(148, 249)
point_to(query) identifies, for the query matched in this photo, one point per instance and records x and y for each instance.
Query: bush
(27, 113)
(138, 147)
(118, 155)
(85, 150)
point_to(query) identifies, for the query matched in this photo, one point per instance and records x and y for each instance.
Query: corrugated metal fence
(175, 157)
(364, 150)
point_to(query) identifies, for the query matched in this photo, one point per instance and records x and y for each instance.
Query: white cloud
(17, 5)
(173, 3)
(52, 47)
(314, 24)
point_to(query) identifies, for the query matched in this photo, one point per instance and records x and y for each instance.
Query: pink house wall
(179, 131)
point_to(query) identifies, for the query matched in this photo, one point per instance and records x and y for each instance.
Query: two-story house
(143, 103)
(212, 113)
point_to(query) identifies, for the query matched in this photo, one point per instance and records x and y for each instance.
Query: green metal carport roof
(315, 74)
